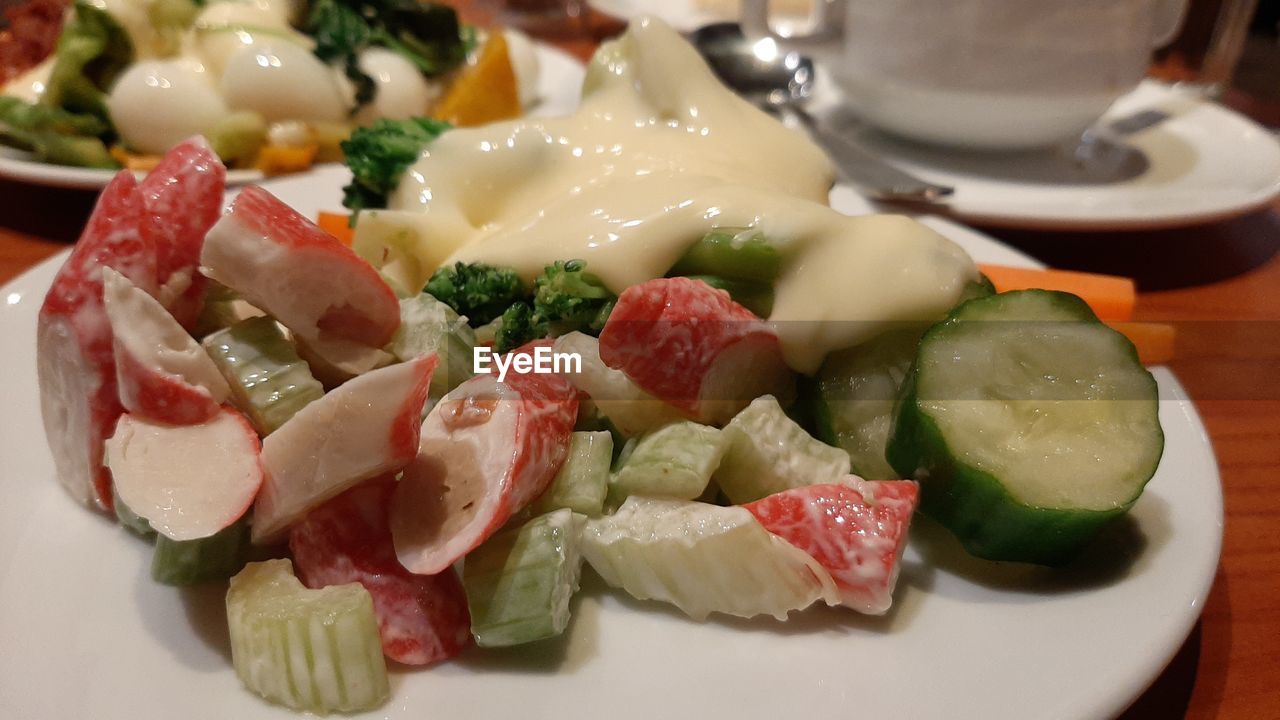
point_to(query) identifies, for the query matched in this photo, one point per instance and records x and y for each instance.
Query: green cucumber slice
(269, 382)
(1029, 424)
(210, 559)
(430, 326)
(520, 581)
(313, 650)
(583, 479)
(674, 461)
(769, 452)
(855, 392)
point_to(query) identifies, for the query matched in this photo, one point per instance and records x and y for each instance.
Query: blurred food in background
(274, 84)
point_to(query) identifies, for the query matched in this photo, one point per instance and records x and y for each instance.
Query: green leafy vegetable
(92, 52)
(379, 155)
(481, 292)
(54, 135)
(426, 34)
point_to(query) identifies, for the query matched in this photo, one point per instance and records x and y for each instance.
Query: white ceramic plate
(689, 15)
(559, 83)
(1204, 163)
(86, 633)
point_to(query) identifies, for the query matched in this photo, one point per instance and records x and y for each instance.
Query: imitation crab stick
(331, 299)
(363, 429)
(488, 449)
(422, 618)
(1110, 297)
(691, 345)
(162, 372)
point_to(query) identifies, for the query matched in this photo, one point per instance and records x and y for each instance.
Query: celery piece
(315, 650)
(238, 137)
(583, 479)
(768, 453)
(675, 461)
(269, 382)
(520, 581)
(430, 326)
(191, 562)
(733, 253)
(703, 559)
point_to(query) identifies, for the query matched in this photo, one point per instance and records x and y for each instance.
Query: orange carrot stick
(1112, 298)
(337, 225)
(1155, 341)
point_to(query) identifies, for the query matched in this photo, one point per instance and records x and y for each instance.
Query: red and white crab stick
(330, 298)
(488, 449)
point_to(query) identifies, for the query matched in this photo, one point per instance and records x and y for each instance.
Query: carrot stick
(337, 225)
(1155, 341)
(1112, 298)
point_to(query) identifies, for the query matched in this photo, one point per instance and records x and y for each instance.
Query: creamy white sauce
(658, 154)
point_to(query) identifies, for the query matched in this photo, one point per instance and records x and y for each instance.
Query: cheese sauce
(658, 154)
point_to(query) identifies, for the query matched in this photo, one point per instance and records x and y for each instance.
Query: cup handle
(828, 21)
(1169, 17)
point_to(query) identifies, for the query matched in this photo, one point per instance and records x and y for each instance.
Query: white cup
(981, 74)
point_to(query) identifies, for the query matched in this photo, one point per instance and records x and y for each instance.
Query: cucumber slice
(269, 382)
(210, 559)
(703, 559)
(1029, 424)
(520, 581)
(430, 326)
(582, 483)
(768, 453)
(733, 253)
(313, 650)
(675, 461)
(856, 389)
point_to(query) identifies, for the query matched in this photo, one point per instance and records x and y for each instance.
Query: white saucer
(1203, 163)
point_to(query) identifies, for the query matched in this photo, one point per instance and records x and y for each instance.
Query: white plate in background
(559, 84)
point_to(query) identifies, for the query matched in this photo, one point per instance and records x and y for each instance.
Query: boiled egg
(157, 104)
(281, 81)
(402, 91)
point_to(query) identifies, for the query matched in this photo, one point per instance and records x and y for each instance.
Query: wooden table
(1220, 283)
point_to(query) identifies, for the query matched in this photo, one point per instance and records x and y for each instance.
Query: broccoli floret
(481, 292)
(378, 156)
(567, 298)
(519, 324)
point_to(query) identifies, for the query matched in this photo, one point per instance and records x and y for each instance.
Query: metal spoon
(781, 82)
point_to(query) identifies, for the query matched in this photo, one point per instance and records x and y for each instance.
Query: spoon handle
(870, 173)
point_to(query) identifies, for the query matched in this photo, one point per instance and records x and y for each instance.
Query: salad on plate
(634, 338)
(274, 85)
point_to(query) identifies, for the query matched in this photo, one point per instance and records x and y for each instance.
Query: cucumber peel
(1029, 424)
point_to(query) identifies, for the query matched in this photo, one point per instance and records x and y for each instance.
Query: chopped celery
(768, 453)
(191, 562)
(734, 253)
(315, 650)
(223, 307)
(583, 479)
(520, 581)
(675, 461)
(430, 326)
(703, 559)
(269, 382)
